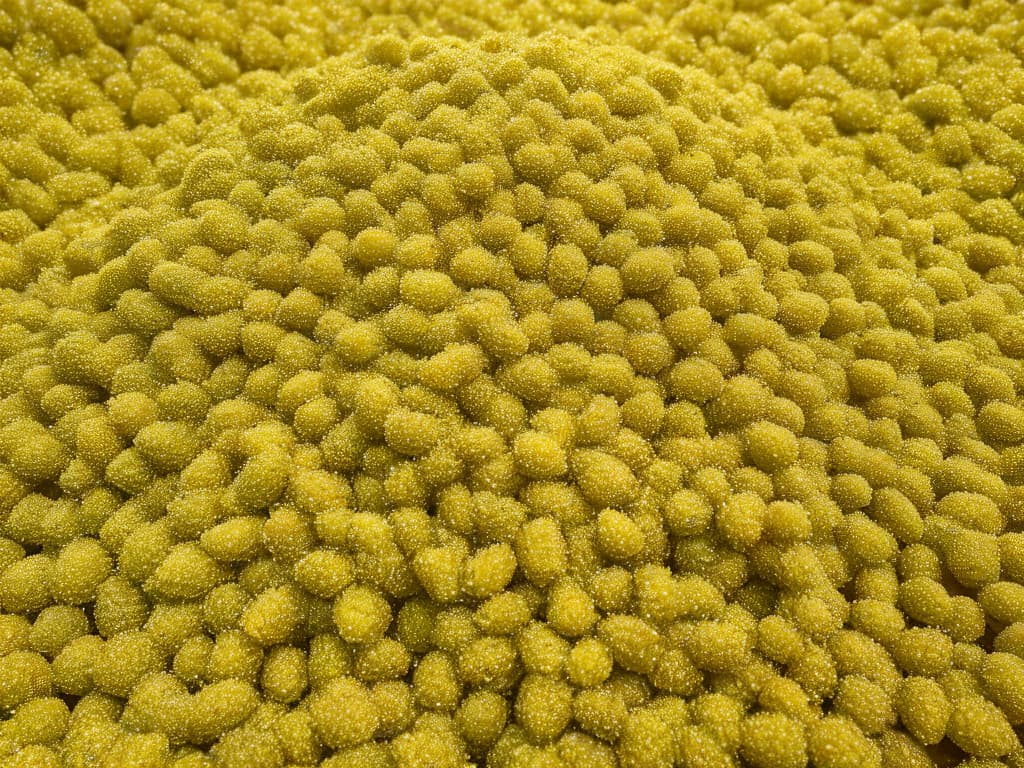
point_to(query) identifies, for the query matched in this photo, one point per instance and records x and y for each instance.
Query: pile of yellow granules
(386, 384)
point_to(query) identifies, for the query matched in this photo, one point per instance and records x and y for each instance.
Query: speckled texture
(569, 385)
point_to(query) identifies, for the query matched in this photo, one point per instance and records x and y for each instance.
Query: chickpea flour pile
(548, 384)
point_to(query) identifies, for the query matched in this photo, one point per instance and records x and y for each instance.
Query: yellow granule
(520, 384)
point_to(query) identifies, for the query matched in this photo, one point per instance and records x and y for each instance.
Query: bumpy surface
(550, 384)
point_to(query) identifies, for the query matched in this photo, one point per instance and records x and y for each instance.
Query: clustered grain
(572, 385)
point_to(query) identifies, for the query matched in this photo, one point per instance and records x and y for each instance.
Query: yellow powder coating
(569, 385)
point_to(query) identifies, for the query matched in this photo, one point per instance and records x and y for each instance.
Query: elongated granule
(574, 385)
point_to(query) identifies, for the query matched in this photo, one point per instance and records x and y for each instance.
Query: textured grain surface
(566, 384)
